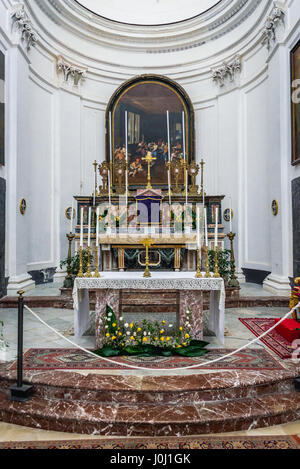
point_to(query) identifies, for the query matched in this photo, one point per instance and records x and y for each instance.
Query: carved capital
(227, 72)
(276, 18)
(69, 70)
(22, 22)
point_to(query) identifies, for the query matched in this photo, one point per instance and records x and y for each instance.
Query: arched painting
(147, 101)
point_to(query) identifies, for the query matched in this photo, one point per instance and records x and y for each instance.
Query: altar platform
(111, 285)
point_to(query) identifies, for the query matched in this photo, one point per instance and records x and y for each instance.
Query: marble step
(151, 420)
(184, 389)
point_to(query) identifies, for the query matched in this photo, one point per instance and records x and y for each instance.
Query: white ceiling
(148, 12)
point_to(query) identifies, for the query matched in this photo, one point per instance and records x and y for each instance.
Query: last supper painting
(157, 117)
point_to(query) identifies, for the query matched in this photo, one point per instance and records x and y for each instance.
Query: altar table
(190, 290)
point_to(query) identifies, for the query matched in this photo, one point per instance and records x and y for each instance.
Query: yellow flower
(114, 324)
(123, 345)
(168, 338)
(163, 322)
(155, 338)
(107, 335)
(178, 346)
(181, 328)
(117, 218)
(113, 337)
(145, 339)
(120, 334)
(139, 329)
(184, 344)
(132, 338)
(162, 331)
(131, 325)
(162, 339)
(100, 218)
(187, 336)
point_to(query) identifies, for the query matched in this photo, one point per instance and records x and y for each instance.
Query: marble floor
(37, 335)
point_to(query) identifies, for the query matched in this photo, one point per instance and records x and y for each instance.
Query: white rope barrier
(198, 365)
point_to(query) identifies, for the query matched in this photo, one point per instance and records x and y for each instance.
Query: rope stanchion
(20, 392)
(198, 365)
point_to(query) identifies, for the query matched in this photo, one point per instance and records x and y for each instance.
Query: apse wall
(55, 130)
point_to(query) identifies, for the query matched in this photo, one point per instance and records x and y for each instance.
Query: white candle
(71, 217)
(89, 228)
(230, 215)
(109, 188)
(111, 157)
(97, 226)
(95, 187)
(206, 231)
(169, 155)
(216, 226)
(183, 135)
(198, 228)
(126, 140)
(169, 139)
(81, 227)
(186, 187)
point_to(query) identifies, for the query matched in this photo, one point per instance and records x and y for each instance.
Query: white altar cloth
(158, 281)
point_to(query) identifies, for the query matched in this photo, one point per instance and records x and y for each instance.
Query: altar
(190, 295)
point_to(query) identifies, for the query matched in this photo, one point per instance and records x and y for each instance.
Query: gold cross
(149, 159)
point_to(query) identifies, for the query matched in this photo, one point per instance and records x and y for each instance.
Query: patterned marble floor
(36, 335)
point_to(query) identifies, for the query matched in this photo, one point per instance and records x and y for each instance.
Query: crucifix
(149, 159)
(147, 243)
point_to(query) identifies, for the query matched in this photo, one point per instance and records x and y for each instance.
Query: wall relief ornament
(23, 24)
(69, 70)
(276, 18)
(227, 72)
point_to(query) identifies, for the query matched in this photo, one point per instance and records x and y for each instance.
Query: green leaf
(108, 352)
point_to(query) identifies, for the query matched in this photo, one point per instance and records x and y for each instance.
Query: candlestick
(89, 272)
(97, 273)
(80, 273)
(206, 232)
(207, 274)
(202, 193)
(126, 140)
(216, 274)
(89, 227)
(233, 282)
(198, 273)
(68, 283)
(111, 158)
(216, 226)
(81, 227)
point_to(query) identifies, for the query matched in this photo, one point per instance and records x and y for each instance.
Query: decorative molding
(227, 72)
(21, 20)
(276, 18)
(70, 70)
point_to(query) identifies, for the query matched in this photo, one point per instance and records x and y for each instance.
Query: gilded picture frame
(146, 99)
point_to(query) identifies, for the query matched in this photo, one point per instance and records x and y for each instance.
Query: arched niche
(147, 98)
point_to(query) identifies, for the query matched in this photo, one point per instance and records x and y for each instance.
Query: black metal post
(20, 392)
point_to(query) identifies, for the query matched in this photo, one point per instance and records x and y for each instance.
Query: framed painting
(295, 93)
(147, 101)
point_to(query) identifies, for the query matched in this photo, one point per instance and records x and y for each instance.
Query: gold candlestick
(147, 243)
(233, 282)
(216, 274)
(89, 272)
(80, 273)
(207, 274)
(95, 164)
(69, 279)
(198, 273)
(202, 178)
(169, 193)
(97, 273)
(149, 159)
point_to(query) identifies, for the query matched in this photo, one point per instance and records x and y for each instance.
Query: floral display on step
(148, 338)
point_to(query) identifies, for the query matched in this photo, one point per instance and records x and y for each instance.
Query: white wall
(239, 128)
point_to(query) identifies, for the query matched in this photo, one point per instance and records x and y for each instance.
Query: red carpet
(72, 359)
(273, 340)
